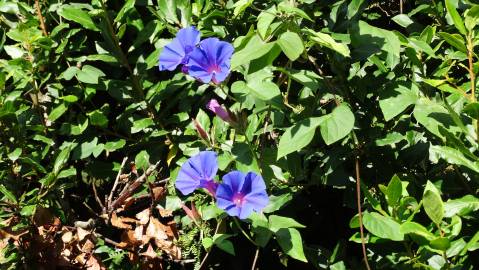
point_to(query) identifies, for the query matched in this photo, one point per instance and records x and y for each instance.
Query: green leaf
(451, 155)
(265, 19)
(254, 49)
(397, 97)
(89, 74)
(129, 5)
(115, 145)
(141, 125)
(472, 109)
(85, 149)
(262, 90)
(420, 45)
(462, 206)
(456, 18)
(410, 227)
(327, 41)
(403, 20)
(207, 242)
(70, 98)
(28, 210)
(440, 243)
(142, 160)
(472, 18)
(222, 242)
(241, 6)
(69, 73)
(390, 139)
(369, 40)
(61, 159)
(291, 243)
(291, 44)
(77, 15)
(432, 203)
(57, 112)
(470, 244)
(13, 156)
(278, 222)
(8, 194)
(287, 7)
(98, 118)
(276, 202)
(338, 124)
(67, 173)
(432, 116)
(168, 8)
(381, 226)
(13, 51)
(394, 191)
(454, 40)
(298, 136)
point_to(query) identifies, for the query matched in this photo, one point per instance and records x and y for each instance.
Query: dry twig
(110, 197)
(127, 192)
(40, 18)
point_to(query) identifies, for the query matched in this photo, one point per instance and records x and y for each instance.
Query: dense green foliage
(325, 94)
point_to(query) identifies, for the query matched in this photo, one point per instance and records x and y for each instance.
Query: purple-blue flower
(198, 172)
(239, 194)
(178, 50)
(210, 61)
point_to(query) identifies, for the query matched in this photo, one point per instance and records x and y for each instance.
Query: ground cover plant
(239, 134)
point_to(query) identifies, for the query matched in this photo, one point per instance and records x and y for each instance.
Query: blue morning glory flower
(178, 50)
(239, 194)
(210, 61)
(198, 172)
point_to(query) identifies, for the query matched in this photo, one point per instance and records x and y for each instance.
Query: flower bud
(215, 107)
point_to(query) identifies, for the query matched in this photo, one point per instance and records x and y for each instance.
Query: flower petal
(199, 73)
(201, 167)
(224, 192)
(221, 75)
(223, 203)
(233, 211)
(205, 164)
(224, 52)
(171, 56)
(254, 183)
(210, 48)
(245, 211)
(188, 37)
(235, 180)
(177, 51)
(257, 201)
(211, 60)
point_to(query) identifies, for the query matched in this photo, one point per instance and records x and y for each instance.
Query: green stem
(253, 152)
(244, 233)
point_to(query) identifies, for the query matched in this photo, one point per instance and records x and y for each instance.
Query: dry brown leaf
(164, 212)
(94, 264)
(143, 216)
(88, 246)
(119, 222)
(82, 233)
(158, 193)
(139, 233)
(67, 237)
(150, 253)
(66, 253)
(128, 239)
(156, 230)
(169, 247)
(7, 222)
(171, 230)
